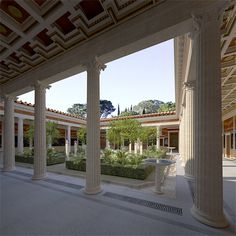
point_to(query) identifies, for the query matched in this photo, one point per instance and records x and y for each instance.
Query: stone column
(40, 149)
(2, 126)
(189, 134)
(20, 136)
(158, 137)
(68, 137)
(107, 141)
(180, 136)
(93, 168)
(9, 134)
(234, 154)
(75, 147)
(208, 194)
(183, 136)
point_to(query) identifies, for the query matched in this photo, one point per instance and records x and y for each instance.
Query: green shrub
(52, 159)
(138, 172)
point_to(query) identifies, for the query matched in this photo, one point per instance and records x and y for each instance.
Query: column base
(8, 169)
(93, 191)
(207, 220)
(39, 177)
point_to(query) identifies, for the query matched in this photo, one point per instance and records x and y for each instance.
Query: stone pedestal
(208, 194)
(40, 149)
(9, 135)
(93, 168)
(20, 136)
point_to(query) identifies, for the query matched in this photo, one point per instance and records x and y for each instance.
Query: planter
(140, 172)
(30, 160)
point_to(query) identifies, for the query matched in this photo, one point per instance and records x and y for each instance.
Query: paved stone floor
(58, 206)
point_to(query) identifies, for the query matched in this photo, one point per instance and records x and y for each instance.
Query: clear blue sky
(145, 75)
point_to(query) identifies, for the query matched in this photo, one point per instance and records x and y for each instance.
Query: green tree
(125, 129)
(168, 106)
(52, 133)
(81, 135)
(148, 134)
(150, 106)
(78, 109)
(106, 108)
(128, 113)
(30, 135)
(118, 110)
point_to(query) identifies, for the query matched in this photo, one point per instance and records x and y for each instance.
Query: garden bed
(134, 172)
(30, 159)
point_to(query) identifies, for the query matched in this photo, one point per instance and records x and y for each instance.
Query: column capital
(190, 85)
(41, 85)
(7, 97)
(95, 64)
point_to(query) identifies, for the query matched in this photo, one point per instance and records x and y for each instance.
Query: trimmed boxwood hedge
(30, 159)
(141, 172)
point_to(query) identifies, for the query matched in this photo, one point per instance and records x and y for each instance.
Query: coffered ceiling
(35, 31)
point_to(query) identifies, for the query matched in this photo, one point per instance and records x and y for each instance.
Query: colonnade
(200, 125)
(200, 121)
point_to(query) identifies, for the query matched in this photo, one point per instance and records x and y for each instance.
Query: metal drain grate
(154, 205)
(65, 184)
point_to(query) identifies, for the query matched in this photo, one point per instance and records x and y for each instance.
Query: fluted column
(208, 194)
(189, 134)
(234, 153)
(9, 134)
(40, 150)
(20, 136)
(107, 140)
(158, 137)
(93, 168)
(68, 137)
(183, 121)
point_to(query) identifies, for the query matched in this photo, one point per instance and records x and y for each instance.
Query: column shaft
(40, 150)
(208, 195)
(234, 154)
(69, 138)
(20, 136)
(158, 137)
(9, 135)
(93, 168)
(189, 165)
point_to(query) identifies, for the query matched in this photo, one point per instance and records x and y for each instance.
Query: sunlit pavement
(58, 206)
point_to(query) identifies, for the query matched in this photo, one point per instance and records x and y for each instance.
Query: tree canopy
(149, 106)
(106, 108)
(79, 109)
(81, 135)
(168, 106)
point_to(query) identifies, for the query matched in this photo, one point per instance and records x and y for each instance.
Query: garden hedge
(30, 160)
(141, 172)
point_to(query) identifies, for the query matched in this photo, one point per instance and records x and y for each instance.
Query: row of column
(200, 125)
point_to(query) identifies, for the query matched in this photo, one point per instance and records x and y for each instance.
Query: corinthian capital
(189, 85)
(95, 64)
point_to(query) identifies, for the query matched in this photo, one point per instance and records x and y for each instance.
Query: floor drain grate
(62, 183)
(154, 205)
